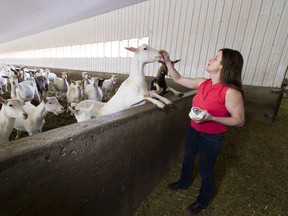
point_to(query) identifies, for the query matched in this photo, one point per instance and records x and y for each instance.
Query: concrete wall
(101, 167)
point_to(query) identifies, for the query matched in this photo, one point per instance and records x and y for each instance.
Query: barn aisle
(251, 175)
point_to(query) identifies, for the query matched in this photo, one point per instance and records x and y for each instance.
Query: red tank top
(211, 98)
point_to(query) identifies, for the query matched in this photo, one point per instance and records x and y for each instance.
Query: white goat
(3, 80)
(107, 86)
(84, 75)
(86, 109)
(52, 76)
(11, 109)
(26, 89)
(133, 91)
(61, 84)
(86, 79)
(36, 116)
(74, 93)
(92, 91)
(21, 72)
(83, 114)
(26, 73)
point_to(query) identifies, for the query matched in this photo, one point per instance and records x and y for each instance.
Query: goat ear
(132, 49)
(72, 110)
(15, 72)
(176, 61)
(2, 100)
(44, 99)
(73, 105)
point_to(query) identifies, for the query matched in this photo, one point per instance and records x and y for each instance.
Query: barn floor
(251, 175)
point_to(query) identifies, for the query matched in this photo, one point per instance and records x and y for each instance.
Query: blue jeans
(208, 146)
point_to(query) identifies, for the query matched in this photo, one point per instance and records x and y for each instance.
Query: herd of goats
(87, 98)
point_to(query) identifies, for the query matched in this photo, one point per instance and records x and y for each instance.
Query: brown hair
(231, 73)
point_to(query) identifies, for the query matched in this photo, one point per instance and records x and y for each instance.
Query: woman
(221, 98)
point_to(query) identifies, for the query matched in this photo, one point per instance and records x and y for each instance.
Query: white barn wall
(192, 30)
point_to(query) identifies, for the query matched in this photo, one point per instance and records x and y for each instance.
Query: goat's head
(163, 68)
(82, 114)
(13, 108)
(52, 105)
(16, 71)
(79, 83)
(64, 75)
(95, 80)
(72, 82)
(13, 78)
(114, 78)
(85, 75)
(145, 53)
(33, 73)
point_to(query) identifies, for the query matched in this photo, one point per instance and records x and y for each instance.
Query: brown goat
(159, 84)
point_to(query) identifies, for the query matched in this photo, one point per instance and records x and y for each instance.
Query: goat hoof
(161, 106)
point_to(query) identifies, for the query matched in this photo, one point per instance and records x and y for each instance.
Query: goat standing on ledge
(133, 91)
(159, 84)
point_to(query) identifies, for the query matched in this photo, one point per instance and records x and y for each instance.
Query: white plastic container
(197, 113)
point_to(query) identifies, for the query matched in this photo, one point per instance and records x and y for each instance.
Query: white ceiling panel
(21, 18)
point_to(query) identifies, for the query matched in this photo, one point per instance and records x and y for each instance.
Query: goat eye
(145, 48)
(10, 105)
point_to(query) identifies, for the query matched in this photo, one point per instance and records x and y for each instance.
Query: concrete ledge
(105, 166)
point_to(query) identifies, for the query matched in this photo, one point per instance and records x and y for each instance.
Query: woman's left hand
(207, 117)
(165, 55)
